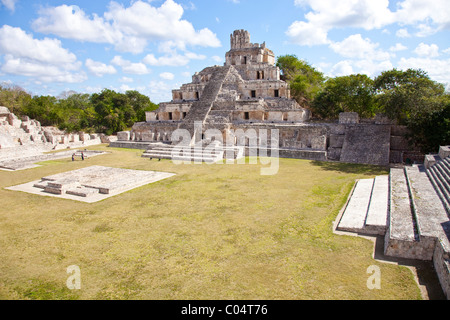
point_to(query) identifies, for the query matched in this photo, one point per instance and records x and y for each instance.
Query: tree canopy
(353, 93)
(304, 80)
(105, 112)
(408, 97)
(411, 98)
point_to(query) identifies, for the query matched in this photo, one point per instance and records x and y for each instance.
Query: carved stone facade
(247, 89)
(246, 93)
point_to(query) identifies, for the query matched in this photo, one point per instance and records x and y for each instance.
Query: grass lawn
(209, 232)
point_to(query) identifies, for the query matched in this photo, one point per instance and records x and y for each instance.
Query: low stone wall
(441, 262)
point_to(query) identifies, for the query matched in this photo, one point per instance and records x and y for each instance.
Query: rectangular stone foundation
(91, 184)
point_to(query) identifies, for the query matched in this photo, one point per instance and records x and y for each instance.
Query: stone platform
(410, 209)
(366, 211)
(27, 158)
(91, 184)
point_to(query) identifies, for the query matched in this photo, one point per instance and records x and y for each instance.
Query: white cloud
(425, 30)
(45, 60)
(126, 80)
(130, 67)
(437, 69)
(425, 50)
(128, 28)
(217, 59)
(167, 76)
(304, 33)
(40, 71)
(160, 91)
(370, 68)
(402, 33)
(71, 22)
(173, 60)
(18, 43)
(355, 46)
(398, 47)
(99, 68)
(426, 16)
(10, 4)
(330, 14)
(342, 68)
(125, 88)
(436, 12)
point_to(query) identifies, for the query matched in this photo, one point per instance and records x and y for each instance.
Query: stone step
(401, 234)
(444, 196)
(184, 152)
(201, 108)
(443, 176)
(177, 157)
(354, 216)
(181, 158)
(211, 150)
(441, 182)
(429, 212)
(445, 164)
(377, 214)
(82, 191)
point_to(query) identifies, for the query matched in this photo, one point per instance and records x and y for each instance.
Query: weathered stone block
(334, 154)
(123, 135)
(319, 142)
(336, 141)
(348, 118)
(444, 151)
(4, 110)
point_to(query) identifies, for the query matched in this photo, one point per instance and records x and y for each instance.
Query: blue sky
(50, 46)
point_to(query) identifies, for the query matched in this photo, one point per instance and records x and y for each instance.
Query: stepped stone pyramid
(410, 208)
(247, 89)
(248, 93)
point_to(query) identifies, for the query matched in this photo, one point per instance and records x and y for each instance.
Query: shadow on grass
(354, 168)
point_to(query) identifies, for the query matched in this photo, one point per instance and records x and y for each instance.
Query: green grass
(209, 232)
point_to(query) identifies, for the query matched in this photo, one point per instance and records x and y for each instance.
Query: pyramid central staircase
(201, 108)
(198, 150)
(410, 207)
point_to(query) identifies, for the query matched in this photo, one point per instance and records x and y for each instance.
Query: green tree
(304, 80)
(431, 129)
(42, 108)
(114, 111)
(73, 107)
(14, 98)
(353, 93)
(411, 98)
(403, 95)
(140, 104)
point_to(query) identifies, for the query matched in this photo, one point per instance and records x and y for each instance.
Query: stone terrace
(410, 209)
(92, 183)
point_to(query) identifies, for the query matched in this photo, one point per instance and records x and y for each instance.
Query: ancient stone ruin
(91, 184)
(410, 209)
(246, 93)
(24, 141)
